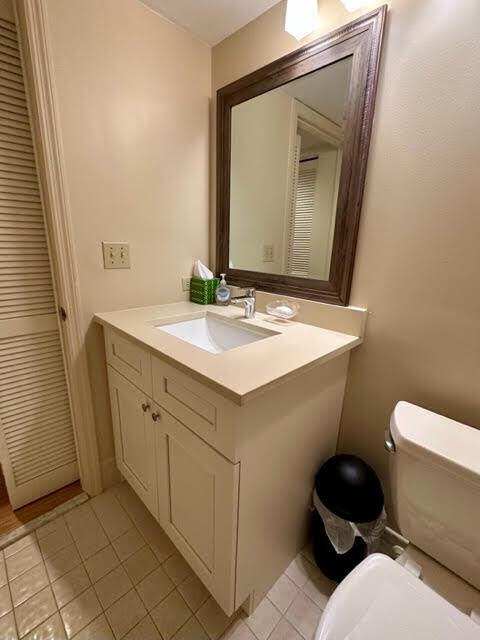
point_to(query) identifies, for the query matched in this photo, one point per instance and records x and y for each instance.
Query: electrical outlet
(268, 252)
(116, 255)
(186, 284)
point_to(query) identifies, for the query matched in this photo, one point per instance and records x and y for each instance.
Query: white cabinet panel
(134, 438)
(130, 360)
(197, 407)
(191, 483)
(198, 502)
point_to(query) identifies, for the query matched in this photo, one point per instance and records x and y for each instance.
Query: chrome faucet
(248, 300)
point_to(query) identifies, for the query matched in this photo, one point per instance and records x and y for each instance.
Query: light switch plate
(268, 252)
(116, 255)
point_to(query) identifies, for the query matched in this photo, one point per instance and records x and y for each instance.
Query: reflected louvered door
(37, 446)
(301, 219)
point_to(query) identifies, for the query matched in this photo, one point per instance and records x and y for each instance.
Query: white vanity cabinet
(134, 435)
(198, 504)
(189, 487)
(229, 483)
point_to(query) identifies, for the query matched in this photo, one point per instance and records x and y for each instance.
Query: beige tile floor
(106, 571)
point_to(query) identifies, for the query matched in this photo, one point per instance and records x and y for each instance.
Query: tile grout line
(303, 593)
(36, 542)
(237, 617)
(11, 597)
(121, 564)
(57, 612)
(276, 609)
(160, 565)
(283, 616)
(175, 588)
(50, 582)
(119, 559)
(82, 562)
(134, 518)
(183, 625)
(31, 527)
(134, 587)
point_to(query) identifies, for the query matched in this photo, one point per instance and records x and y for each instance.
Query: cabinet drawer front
(198, 498)
(129, 359)
(134, 438)
(194, 405)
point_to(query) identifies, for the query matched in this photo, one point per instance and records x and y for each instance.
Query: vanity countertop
(241, 373)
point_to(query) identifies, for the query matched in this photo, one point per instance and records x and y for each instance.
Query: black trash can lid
(350, 488)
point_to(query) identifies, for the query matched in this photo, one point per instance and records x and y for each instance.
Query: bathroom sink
(215, 334)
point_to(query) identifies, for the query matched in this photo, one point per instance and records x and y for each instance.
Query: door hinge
(63, 314)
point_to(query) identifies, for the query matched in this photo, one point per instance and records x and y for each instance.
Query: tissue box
(203, 291)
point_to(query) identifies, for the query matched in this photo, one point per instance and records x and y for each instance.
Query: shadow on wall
(97, 368)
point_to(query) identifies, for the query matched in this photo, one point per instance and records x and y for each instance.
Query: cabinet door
(198, 499)
(134, 436)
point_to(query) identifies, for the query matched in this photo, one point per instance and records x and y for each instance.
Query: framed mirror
(292, 146)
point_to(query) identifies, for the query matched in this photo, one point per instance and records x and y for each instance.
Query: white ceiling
(211, 20)
(325, 90)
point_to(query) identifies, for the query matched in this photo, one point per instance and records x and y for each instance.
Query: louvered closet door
(301, 219)
(37, 447)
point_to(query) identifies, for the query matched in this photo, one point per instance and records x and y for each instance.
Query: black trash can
(348, 488)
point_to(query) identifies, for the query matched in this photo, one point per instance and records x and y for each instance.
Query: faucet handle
(250, 291)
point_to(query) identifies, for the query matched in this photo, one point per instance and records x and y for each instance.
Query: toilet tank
(435, 474)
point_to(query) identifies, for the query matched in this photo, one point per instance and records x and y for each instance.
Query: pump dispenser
(222, 294)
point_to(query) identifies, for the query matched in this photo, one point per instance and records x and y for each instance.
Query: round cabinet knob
(156, 416)
(145, 407)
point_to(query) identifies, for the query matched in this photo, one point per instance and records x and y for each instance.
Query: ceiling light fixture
(353, 5)
(301, 18)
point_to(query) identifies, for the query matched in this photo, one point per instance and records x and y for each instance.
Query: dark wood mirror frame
(361, 39)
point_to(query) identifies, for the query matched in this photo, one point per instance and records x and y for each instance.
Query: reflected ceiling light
(353, 5)
(301, 18)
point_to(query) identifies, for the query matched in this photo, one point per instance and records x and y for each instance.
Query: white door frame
(34, 40)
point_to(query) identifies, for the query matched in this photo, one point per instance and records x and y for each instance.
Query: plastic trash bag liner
(342, 533)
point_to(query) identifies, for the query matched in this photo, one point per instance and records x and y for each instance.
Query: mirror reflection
(286, 157)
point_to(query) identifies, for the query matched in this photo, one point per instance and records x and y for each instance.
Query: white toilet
(435, 473)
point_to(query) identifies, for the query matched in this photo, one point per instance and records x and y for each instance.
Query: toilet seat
(381, 600)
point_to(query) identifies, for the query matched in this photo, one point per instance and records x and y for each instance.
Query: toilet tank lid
(429, 435)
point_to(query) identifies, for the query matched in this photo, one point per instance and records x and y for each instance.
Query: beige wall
(261, 132)
(417, 266)
(133, 95)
